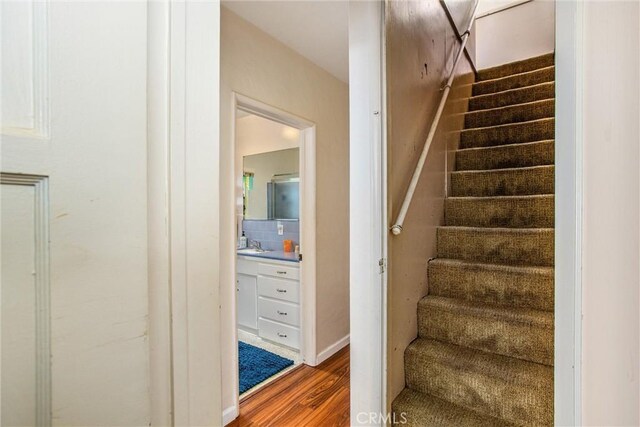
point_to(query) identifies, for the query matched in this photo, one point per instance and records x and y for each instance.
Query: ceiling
(317, 30)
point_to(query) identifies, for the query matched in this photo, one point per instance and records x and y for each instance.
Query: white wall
(610, 328)
(258, 66)
(517, 33)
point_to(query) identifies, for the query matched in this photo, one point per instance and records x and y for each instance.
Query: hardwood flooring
(307, 396)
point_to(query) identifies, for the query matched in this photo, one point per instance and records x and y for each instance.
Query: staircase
(484, 352)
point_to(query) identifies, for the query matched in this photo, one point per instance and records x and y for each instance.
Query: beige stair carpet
(484, 352)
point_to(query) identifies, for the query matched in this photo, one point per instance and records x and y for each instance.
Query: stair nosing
(508, 230)
(427, 396)
(508, 124)
(509, 197)
(537, 70)
(490, 265)
(491, 356)
(521, 315)
(514, 144)
(520, 61)
(502, 92)
(504, 107)
(474, 171)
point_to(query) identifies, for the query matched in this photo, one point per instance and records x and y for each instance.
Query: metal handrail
(397, 226)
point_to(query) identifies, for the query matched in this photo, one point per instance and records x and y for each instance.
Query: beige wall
(256, 65)
(417, 33)
(610, 328)
(517, 33)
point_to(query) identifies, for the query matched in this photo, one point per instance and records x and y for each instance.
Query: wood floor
(305, 397)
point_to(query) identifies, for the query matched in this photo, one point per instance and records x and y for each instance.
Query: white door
(74, 221)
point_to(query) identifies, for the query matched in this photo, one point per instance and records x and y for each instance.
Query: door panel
(81, 128)
(18, 306)
(247, 301)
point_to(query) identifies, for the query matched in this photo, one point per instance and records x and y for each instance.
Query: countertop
(277, 255)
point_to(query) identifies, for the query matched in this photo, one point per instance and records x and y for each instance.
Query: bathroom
(268, 279)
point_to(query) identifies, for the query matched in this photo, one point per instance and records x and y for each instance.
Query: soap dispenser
(242, 244)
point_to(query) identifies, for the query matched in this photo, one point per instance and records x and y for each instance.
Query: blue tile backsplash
(266, 232)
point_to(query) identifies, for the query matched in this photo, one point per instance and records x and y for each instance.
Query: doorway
(275, 251)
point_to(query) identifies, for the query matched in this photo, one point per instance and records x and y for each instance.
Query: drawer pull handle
(281, 272)
(282, 335)
(281, 313)
(282, 291)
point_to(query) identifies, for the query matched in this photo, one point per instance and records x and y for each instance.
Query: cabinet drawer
(280, 311)
(246, 266)
(286, 290)
(282, 271)
(279, 333)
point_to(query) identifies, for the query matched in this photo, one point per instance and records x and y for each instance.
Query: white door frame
(568, 211)
(367, 213)
(183, 211)
(307, 229)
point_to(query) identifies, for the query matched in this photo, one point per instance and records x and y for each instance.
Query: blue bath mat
(256, 365)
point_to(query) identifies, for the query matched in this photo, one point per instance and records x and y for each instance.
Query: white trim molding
(229, 414)
(367, 213)
(332, 349)
(40, 186)
(183, 198)
(568, 211)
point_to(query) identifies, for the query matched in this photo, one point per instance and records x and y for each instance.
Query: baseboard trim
(332, 349)
(229, 414)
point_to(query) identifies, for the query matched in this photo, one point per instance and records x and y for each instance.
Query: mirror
(271, 185)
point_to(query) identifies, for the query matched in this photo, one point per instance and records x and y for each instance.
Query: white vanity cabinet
(247, 295)
(268, 299)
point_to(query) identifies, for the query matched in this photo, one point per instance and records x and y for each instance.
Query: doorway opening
(275, 252)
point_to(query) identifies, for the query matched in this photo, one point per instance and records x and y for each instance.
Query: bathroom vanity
(268, 296)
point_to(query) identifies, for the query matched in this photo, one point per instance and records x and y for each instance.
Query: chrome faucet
(255, 245)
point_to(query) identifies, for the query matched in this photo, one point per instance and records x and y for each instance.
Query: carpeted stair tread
(497, 284)
(512, 133)
(500, 211)
(516, 67)
(522, 333)
(511, 389)
(515, 81)
(506, 156)
(511, 114)
(414, 409)
(512, 246)
(513, 96)
(503, 182)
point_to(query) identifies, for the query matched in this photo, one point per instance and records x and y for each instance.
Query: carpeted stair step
(517, 67)
(513, 96)
(500, 211)
(515, 81)
(503, 285)
(510, 114)
(414, 409)
(534, 130)
(506, 156)
(515, 332)
(511, 389)
(503, 182)
(512, 246)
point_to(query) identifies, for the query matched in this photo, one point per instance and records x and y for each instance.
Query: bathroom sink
(252, 251)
